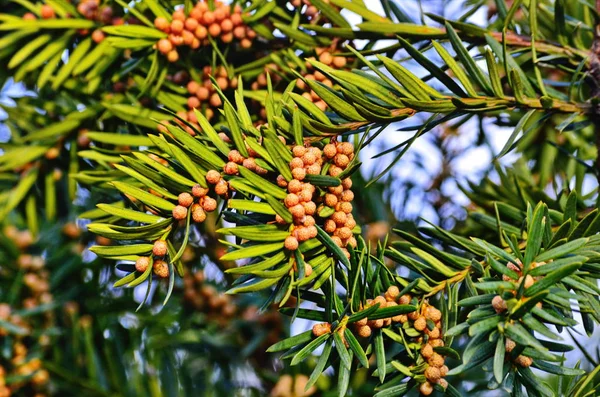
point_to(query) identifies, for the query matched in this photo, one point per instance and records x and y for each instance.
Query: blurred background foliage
(65, 331)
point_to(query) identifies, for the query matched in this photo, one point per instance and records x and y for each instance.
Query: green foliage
(241, 149)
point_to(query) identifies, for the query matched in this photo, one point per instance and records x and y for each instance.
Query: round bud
(339, 62)
(330, 200)
(208, 17)
(405, 299)
(361, 322)
(188, 37)
(524, 361)
(213, 177)
(215, 100)
(352, 242)
(434, 333)
(185, 199)
(309, 221)
(52, 153)
(347, 195)
(436, 360)
(179, 15)
(176, 26)
(311, 11)
(321, 329)
(305, 195)
(310, 208)
(141, 264)
(296, 163)
(307, 270)
(223, 83)
(299, 173)
(235, 156)
(236, 19)
(161, 269)
(191, 24)
(219, 14)
(433, 314)
(209, 204)
(346, 208)
(222, 187)
(326, 58)
(335, 189)
(202, 93)
(201, 32)
(294, 186)
(179, 212)
(443, 370)
(413, 315)
(364, 331)
(375, 323)
(309, 158)
(499, 304)
(322, 105)
(303, 233)
(345, 148)
(176, 40)
(291, 200)
(199, 191)
(173, 56)
(337, 241)
(198, 214)
(245, 43)
(164, 46)
(339, 218)
(427, 351)
(341, 160)
(47, 12)
(443, 383)
(291, 243)
(514, 267)
(420, 324)
(281, 182)
(330, 226)
(298, 151)
(249, 163)
(509, 345)
(230, 168)
(297, 211)
(426, 388)
(433, 374)
(344, 233)
(314, 169)
(379, 300)
(98, 36)
(334, 170)
(159, 248)
(226, 25)
(392, 293)
(239, 32)
(214, 29)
